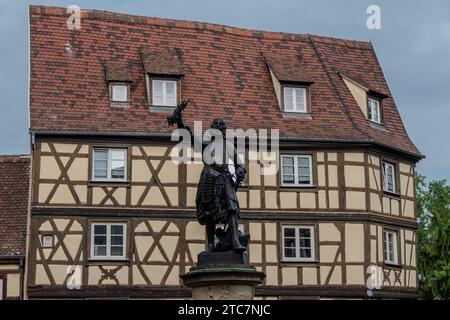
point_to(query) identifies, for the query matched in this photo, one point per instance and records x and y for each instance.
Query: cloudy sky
(413, 46)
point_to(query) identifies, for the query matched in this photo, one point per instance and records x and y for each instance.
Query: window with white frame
(389, 177)
(296, 170)
(47, 241)
(374, 106)
(295, 99)
(120, 92)
(108, 241)
(109, 164)
(164, 92)
(298, 243)
(390, 247)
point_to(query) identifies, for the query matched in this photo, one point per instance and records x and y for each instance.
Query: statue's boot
(235, 243)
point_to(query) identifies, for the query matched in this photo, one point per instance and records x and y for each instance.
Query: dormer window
(164, 92)
(164, 72)
(292, 82)
(295, 99)
(119, 80)
(119, 92)
(374, 109)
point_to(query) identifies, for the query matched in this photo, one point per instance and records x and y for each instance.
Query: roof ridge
(14, 157)
(191, 24)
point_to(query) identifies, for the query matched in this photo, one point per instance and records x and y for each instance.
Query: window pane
(303, 162)
(304, 180)
(116, 229)
(288, 161)
(170, 89)
(289, 232)
(288, 170)
(118, 169)
(157, 92)
(305, 243)
(116, 240)
(99, 229)
(288, 179)
(289, 252)
(305, 233)
(171, 101)
(288, 99)
(99, 250)
(100, 240)
(119, 93)
(116, 250)
(289, 242)
(300, 99)
(118, 155)
(305, 253)
(100, 163)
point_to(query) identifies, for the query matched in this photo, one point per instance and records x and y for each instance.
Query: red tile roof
(162, 63)
(14, 187)
(225, 76)
(118, 73)
(289, 68)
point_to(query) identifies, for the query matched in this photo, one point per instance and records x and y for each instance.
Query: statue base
(223, 276)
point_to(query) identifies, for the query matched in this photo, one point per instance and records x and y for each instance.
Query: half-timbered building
(112, 216)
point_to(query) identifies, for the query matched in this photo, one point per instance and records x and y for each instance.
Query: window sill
(161, 109)
(108, 183)
(298, 263)
(377, 126)
(391, 194)
(119, 104)
(107, 261)
(296, 115)
(296, 188)
(390, 265)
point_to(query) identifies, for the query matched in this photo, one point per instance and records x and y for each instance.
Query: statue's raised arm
(177, 116)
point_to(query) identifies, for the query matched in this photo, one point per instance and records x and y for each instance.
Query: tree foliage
(433, 212)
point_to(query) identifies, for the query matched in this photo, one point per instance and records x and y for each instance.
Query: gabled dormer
(369, 101)
(163, 72)
(119, 81)
(292, 85)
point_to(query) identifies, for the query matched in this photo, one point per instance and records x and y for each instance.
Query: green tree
(433, 212)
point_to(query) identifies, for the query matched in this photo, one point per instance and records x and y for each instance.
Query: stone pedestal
(223, 276)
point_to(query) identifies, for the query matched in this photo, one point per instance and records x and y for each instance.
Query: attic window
(374, 109)
(119, 82)
(119, 92)
(164, 92)
(295, 99)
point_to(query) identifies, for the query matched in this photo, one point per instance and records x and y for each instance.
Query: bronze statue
(216, 200)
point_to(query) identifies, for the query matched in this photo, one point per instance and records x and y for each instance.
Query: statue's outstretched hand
(177, 116)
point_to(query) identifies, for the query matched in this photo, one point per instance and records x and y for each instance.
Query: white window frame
(377, 102)
(297, 257)
(385, 165)
(294, 99)
(127, 92)
(109, 164)
(164, 93)
(296, 180)
(47, 237)
(108, 255)
(386, 251)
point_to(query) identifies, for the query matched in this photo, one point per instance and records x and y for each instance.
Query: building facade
(112, 215)
(14, 190)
